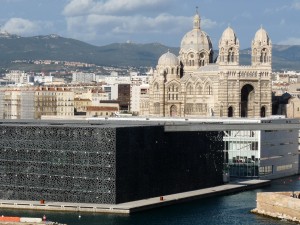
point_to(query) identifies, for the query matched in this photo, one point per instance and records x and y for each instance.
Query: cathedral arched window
(263, 111)
(202, 59)
(189, 108)
(264, 56)
(231, 56)
(156, 108)
(208, 89)
(173, 92)
(156, 87)
(230, 111)
(156, 91)
(199, 89)
(222, 55)
(189, 89)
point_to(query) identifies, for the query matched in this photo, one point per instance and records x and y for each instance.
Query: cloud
(290, 41)
(277, 9)
(112, 7)
(296, 5)
(20, 26)
(287, 7)
(119, 20)
(123, 27)
(282, 22)
(26, 27)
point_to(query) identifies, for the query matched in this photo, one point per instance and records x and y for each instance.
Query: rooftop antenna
(197, 10)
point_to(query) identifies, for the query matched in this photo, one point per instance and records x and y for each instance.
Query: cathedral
(195, 84)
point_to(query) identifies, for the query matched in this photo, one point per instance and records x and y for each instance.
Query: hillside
(54, 47)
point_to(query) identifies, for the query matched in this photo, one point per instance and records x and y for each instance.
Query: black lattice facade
(105, 164)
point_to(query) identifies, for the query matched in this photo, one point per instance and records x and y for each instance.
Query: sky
(102, 22)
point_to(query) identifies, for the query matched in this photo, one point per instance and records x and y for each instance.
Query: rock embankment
(281, 205)
(275, 215)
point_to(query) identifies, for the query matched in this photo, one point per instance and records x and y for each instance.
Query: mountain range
(54, 47)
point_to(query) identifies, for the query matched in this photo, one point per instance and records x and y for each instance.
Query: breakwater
(281, 205)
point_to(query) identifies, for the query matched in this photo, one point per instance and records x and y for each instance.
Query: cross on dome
(197, 19)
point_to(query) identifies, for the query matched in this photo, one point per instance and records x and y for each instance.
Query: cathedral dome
(196, 40)
(262, 37)
(229, 36)
(168, 59)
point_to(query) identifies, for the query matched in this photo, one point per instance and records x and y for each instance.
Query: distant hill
(284, 57)
(54, 47)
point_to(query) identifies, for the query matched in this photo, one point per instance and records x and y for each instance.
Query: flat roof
(170, 124)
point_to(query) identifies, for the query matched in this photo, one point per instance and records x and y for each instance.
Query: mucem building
(98, 162)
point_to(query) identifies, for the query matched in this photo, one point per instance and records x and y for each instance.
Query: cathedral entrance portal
(173, 110)
(247, 100)
(263, 112)
(230, 111)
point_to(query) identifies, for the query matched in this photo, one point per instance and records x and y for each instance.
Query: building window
(265, 170)
(156, 108)
(173, 92)
(230, 55)
(189, 89)
(284, 167)
(199, 89)
(189, 108)
(263, 56)
(208, 90)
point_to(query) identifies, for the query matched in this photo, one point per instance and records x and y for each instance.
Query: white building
(17, 76)
(265, 148)
(43, 79)
(81, 77)
(139, 87)
(137, 92)
(117, 79)
(112, 90)
(264, 153)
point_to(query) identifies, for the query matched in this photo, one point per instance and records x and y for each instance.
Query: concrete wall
(279, 150)
(279, 204)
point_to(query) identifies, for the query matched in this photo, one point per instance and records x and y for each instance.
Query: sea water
(228, 209)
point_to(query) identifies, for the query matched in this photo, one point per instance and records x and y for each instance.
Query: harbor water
(229, 209)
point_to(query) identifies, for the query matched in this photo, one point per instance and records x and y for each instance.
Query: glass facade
(242, 153)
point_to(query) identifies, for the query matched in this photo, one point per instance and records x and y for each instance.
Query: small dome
(168, 59)
(262, 36)
(196, 40)
(229, 36)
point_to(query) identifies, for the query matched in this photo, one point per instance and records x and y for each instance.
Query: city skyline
(164, 21)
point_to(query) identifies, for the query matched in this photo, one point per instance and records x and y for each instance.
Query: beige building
(81, 104)
(195, 84)
(104, 110)
(54, 101)
(293, 108)
(33, 103)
